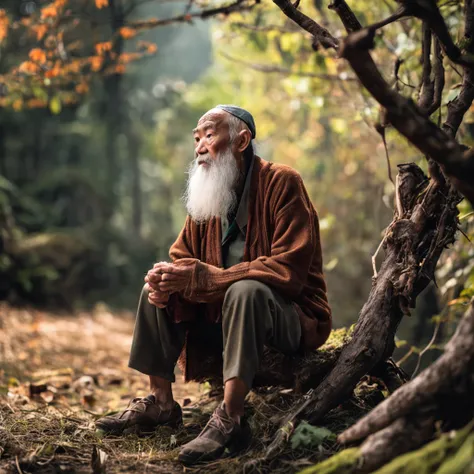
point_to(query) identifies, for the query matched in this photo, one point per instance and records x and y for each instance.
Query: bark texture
(425, 222)
(451, 376)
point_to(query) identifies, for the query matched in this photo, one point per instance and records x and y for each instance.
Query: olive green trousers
(253, 315)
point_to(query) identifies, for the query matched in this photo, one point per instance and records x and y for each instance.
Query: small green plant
(308, 436)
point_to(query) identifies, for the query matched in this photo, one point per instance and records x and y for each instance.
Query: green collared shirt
(233, 246)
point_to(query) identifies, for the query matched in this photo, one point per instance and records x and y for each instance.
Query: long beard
(210, 190)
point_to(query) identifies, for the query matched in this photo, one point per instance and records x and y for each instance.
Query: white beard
(210, 190)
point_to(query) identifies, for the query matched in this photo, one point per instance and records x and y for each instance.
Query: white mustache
(204, 159)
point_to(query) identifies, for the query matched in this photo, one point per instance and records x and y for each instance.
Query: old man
(246, 272)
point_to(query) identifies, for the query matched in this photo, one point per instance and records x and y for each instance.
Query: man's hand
(156, 297)
(169, 278)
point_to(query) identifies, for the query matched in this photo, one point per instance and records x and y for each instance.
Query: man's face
(211, 137)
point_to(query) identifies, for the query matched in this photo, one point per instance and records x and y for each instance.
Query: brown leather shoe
(141, 417)
(221, 432)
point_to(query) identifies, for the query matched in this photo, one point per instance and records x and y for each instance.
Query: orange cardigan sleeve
(292, 247)
(179, 307)
(182, 247)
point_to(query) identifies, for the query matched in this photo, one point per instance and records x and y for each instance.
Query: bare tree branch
(420, 392)
(237, 6)
(400, 13)
(459, 106)
(275, 69)
(427, 84)
(267, 28)
(320, 34)
(405, 116)
(349, 20)
(438, 71)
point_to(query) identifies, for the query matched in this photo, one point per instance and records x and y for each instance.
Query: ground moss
(344, 462)
(337, 338)
(442, 456)
(462, 461)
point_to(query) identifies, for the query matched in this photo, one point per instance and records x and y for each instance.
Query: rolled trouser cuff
(151, 371)
(236, 373)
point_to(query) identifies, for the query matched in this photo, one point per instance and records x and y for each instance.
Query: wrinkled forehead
(214, 118)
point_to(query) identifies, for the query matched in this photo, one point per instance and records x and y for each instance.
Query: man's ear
(243, 139)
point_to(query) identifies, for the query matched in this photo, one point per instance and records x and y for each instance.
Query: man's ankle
(234, 416)
(165, 403)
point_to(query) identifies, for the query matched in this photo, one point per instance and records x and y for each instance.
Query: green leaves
(55, 105)
(308, 436)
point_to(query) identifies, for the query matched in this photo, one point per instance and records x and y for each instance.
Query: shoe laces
(218, 422)
(135, 405)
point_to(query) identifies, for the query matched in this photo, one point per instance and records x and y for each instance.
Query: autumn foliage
(65, 54)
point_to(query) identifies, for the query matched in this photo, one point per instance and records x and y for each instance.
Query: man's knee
(145, 308)
(144, 295)
(245, 290)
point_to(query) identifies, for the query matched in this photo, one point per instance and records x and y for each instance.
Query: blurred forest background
(98, 100)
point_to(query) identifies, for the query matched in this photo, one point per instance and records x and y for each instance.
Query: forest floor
(59, 373)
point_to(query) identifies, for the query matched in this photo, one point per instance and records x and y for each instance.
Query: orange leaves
(96, 63)
(119, 69)
(126, 58)
(36, 103)
(55, 71)
(82, 88)
(28, 67)
(102, 48)
(17, 105)
(74, 67)
(126, 32)
(50, 11)
(4, 23)
(38, 55)
(40, 31)
(63, 66)
(101, 3)
(149, 48)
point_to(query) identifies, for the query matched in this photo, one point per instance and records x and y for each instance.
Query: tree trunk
(442, 392)
(113, 109)
(136, 184)
(425, 222)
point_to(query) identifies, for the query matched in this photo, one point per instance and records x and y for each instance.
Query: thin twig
(420, 355)
(465, 235)
(17, 464)
(466, 215)
(406, 356)
(275, 69)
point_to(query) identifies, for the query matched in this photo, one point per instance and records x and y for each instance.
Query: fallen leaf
(84, 382)
(47, 396)
(98, 461)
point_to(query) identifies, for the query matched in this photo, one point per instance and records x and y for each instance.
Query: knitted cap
(242, 114)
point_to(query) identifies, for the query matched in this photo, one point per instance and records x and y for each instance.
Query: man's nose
(201, 148)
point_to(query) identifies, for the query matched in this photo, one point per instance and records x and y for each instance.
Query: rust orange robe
(282, 250)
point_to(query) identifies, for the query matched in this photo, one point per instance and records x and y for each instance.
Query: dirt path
(58, 373)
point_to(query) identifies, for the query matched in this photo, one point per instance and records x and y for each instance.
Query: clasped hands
(166, 278)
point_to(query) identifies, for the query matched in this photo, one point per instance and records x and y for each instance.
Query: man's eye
(196, 139)
(209, 135)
